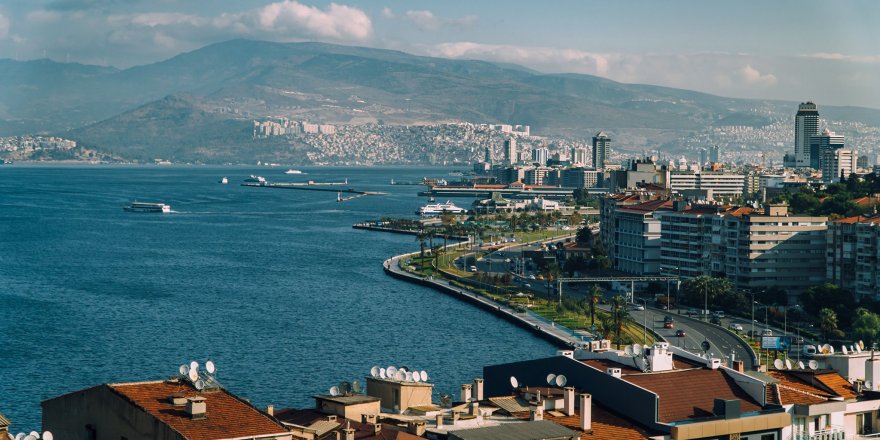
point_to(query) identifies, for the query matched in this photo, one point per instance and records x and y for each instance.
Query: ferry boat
(293, 172)
(224, 180)
(147, 207)
(432, 209)
(255, 179)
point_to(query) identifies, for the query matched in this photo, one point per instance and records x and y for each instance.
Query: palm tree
(828, 322)
(421, 236)
(619, 316)
(594, 298)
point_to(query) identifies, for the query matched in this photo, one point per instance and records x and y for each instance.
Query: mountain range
(207, 99)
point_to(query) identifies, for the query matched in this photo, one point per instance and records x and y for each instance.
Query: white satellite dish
(561, 380)
(801, 365)
(551, 378)
(184, 371)
(628, 350)
(19, 436)
(830, 349)
(200, 384)
(637, 349)
(416, 377)
(334, 391)
(193, 374)
(48, 435)
(374, 371)
(513, 383)
(852, 349)
(409, 376)
(194, 365)
(30, 437)
(356, 386)
(813, 364)
(861, 344)
(391, 371)
(858, 349)
(424, 375)
(382, 373)
(843, 349)
(787, 364)
(778, 364)
(400, 376)
(210, 367)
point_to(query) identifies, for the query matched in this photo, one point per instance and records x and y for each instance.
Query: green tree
(695, 290)
(421, 237)
(619, 317)
(831, 296)
(584, 236)
(575, 219)
(828, 323)
(865, 325)
(594, 298)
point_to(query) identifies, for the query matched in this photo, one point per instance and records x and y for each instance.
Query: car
(715, 320)
(766, 332)
(668, 318)
(680, 333)
(718, 314)
(693, 312)
(639, 307)
(735, 327)
(473, 268)
(668, 324)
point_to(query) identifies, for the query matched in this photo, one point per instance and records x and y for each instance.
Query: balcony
(831, 433)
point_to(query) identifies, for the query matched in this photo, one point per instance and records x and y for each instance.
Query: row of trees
(836, 200)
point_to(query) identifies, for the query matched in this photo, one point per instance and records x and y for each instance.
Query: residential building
(806, 125)
(601, 150)
(166, 409)
(581, 178)
(715, 154)
(853, 255)
(772, 248)
(579, 156)
(637, 237)
(704, 157)
(819, 144)
(686, 235)
(487, 155)
(837, 164)
(511, 154)
(715, 184)
(540, 156)
(639, 173)
(539, 175)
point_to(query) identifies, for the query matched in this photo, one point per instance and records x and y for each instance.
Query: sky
(828, 52)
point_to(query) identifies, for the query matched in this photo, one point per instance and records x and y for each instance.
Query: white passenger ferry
(432, 209)
(147, 207)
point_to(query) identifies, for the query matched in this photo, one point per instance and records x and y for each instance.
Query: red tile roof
(858, 219)
(649, 206)
(363, 431)
(691, 394)
(808, 387)
(227, 415)
(604, 424)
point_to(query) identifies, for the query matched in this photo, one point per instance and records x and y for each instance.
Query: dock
(314, 186)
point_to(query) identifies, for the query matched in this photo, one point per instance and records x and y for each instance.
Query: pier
(314, 186)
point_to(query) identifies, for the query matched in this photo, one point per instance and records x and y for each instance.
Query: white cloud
(752, 76)
(427, 21)
(549, 59)
(43, 16)
(4, 26)
(388, 13)
(337, 21)
(863, 59)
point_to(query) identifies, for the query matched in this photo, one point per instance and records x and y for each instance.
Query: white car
(735, 327)
(639, 307)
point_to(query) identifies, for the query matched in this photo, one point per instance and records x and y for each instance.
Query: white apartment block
(853, 255)
(720, 184)
(836, 163)
(636, 237)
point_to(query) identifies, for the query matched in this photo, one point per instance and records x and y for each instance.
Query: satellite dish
(409, 376)
(813, 364)
(200, 384)
(445, 400)
(801, 365)
(374, 371)
(787, 364)
(30, 437)
(194, 365)
(184, 371)
(210, 367)
(424, 375)
(513, 383)
(858, 349)
(334, 391)
(391, 371)
(830, 349)
(416, 377)
(400, 376)
(843, 349)
(628, 350)
(852, 349)
(637, 349)
(193, 374)
(561, 380)
(356, 386)
(861, 344)
(19, 436)
(778, 364)
(551, 378)
(382, 373)
(344, 387)
(48, 435)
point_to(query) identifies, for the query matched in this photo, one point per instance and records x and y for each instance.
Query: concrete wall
(110, 414)
(408, 393)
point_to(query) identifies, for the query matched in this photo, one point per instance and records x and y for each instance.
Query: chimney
(349, 432)
(368, 418)
(455, 417)
(616, 372)
(536, 413)
(475, 409)
(177, 400)
(440, 420)
(738, 366)
(586, 412)
(196, 408)
(414, 427)
(465, 392)
(568, 401)
(478, 388)
(270, 410)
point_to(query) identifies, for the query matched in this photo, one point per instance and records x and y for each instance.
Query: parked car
(715, 320)
(735, 327)
(718, 314)
(680, 333)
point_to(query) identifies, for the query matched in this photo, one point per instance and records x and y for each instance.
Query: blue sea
(273, 285)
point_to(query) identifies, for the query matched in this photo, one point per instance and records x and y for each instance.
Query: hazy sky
(797, 50)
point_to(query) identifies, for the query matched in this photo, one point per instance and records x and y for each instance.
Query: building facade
(837, 164)
(806, 125)
(601, 150)
(510, 152)
(853, 255)
(819, 144)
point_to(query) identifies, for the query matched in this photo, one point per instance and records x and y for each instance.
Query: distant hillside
(217, 89)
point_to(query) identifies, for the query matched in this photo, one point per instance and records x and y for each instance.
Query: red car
(680, 333)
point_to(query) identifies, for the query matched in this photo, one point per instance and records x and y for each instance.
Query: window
(864, 424)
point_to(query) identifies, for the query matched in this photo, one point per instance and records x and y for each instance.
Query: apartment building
(853, 253)
(637, 237)
(719, 184)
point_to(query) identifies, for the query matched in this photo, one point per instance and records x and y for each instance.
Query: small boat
(293, 172)
(255, 179)
(148, 207)
(440, 208)
(338, 197)
(224, 180)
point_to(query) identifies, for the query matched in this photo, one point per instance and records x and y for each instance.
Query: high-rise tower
(510, 153)
(806, 125)
(715, 154)
(601, 150)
